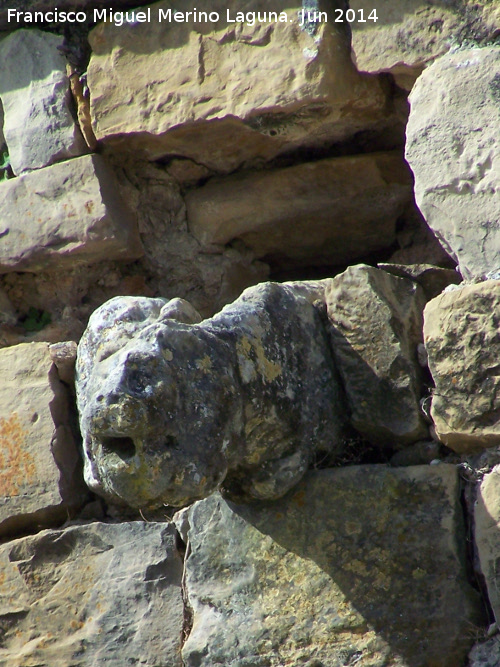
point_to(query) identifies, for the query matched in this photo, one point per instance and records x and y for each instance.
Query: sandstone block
(40, 468)
(487, 535)
(326, 212)
(226, 94)
(34, 88)
(170, 411)
(376, 326)
(64, 214)
(409, 34)
(463, 345)
(453, 150)
(98, 594)
(359, 565)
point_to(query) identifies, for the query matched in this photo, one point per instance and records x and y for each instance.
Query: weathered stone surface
(461, 332)
(409, 34)
(376, 325)
(487, 535)
(98, 594)
(64, 356)
(453, 150)
(227, 93)
(485, 654)
(170, 411)
(64, 214)
(359, 565)
(326, 212)
(173, 260)
(34, 88)
(40, 469)
(433, 279)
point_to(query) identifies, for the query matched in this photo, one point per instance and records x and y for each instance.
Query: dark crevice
(469, 486)
(184, 550)
(283, 269)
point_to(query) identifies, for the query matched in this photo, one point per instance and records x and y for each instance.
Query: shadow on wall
(393, 543)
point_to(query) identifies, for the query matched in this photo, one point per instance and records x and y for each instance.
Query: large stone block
(40, 468)
(461, 332)
(326, 212)
(171, 409)
(227, 93)
(98, 594)
(453, 148)
(359, 565)
(376, 326)
(39, 128)
(64, 214)
(409, 34)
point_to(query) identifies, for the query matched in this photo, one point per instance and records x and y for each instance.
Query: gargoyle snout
(119, 414)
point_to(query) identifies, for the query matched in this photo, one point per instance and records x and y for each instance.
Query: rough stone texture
(64, 214)
(433, 279)
(485, 654)
(487, 535)
(173, 261)
(40, 469)
(409, 34)
(237, 94)
(34, 88)
(170, 411)
(359, 565)
(90, 595)
(453, 150)
(376, 325)
(326, 212)
(463, 344)
(64, 356)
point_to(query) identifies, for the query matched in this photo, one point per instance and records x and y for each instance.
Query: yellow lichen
(17, 466)
(269, 370)
(204, 364)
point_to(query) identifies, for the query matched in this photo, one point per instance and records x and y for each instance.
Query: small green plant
(35, 320)
(5, 168)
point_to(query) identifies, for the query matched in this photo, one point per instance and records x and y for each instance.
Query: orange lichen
(17, 466)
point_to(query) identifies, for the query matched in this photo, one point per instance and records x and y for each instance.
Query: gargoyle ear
(181, 311)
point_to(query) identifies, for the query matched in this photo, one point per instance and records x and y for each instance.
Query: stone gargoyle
(173, 408)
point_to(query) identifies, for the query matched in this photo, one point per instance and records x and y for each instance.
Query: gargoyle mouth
(123, 446)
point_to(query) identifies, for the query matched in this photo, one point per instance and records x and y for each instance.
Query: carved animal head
(171, 408)
(158, 403)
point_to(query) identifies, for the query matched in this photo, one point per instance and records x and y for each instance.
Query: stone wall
(277, 439)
